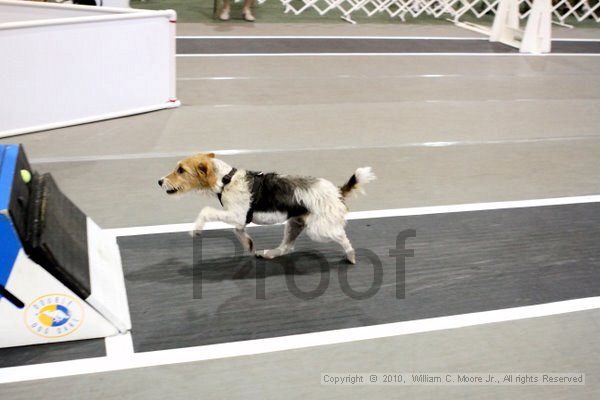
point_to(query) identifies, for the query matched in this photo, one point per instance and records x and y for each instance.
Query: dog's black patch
(272, 192)
(349, 186)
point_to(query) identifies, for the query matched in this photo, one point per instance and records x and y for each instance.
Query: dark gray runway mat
(463, 263)
(275, 46)
(52, 352)
(561, 46)
(300, 45)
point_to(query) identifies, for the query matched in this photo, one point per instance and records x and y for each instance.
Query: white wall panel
(79, 69)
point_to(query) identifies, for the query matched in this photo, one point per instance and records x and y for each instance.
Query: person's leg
(224, 16)
(247, 11)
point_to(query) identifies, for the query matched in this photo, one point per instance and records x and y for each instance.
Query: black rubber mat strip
(580, 47)
(280, 46)
(51, 352)
(310, 45)
(463, 263)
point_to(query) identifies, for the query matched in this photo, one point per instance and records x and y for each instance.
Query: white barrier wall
(63, 65)
(20, 11)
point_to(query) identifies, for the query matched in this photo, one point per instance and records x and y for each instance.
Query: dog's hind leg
(293, 228)
(342, 239)
(244, 238)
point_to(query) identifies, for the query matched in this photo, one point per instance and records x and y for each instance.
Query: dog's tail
(361, 176)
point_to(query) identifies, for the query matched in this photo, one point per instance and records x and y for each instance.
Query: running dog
(306, 203)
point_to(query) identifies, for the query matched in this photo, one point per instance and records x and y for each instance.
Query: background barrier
(64, 64)
(562, 10)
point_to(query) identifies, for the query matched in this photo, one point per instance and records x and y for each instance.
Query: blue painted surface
(8, 163)
(9, 240)
(2, 151)
(9, 249)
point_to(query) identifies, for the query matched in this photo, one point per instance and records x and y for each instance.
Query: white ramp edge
(108, 294)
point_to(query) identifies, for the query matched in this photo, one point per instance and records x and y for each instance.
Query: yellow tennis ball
(26, 176)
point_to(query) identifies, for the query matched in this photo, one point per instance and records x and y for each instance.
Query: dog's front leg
(244, 238)
(209, 214)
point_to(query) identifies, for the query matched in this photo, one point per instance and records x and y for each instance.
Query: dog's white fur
(324, 221)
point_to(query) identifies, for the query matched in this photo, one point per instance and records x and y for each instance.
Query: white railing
(563, 11)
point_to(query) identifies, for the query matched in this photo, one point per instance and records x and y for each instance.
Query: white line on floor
(509, 74)
(338, 37)
(576, 40)
(396, 212)
(119, 346)
(231, 152)
(372, 38)
(287, 78)
(261, 346)
(392, 55)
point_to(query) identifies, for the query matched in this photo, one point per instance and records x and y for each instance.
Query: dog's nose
(160, 181)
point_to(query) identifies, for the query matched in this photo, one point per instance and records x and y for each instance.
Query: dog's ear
(210, 155)
(202, 167)
(206, 174)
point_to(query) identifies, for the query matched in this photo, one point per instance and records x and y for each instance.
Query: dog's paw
(269, 254)
(195, 232)
(259, 254)
(266, 254)
(351, 258)
(198, 226)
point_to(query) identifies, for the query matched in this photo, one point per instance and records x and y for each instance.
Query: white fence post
(506, 23)
(538, 32)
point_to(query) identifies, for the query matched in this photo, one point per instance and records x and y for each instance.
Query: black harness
(256, 178)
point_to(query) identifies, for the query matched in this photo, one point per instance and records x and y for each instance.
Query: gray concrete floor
(524, 128)
(347, 29)
(314, 29)
(566, 343)
(521, 128)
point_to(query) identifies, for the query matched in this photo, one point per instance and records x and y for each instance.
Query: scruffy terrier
(306, 203)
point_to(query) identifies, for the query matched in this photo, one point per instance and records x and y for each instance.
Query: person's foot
(224, 16)
(247, 14)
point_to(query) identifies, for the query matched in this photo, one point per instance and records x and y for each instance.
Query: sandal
(247, 15)
(224, 16)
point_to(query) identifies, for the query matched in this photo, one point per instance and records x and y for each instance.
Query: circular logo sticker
(54, 315)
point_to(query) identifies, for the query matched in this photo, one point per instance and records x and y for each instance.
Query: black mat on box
(51, 227)
(57, 235)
